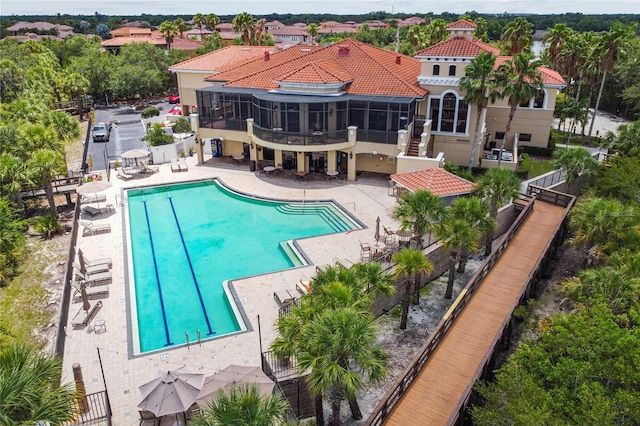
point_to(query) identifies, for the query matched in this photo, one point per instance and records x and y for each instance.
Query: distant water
(537, 48)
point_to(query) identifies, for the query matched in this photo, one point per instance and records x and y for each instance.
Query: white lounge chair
(183, 165)
(95, 198)
(87, 262)
(124, 176)
(103, 267)
(92, 292)
(91, 228)
(284, 298)
(93, 279)
(82, 318)
(175, 167)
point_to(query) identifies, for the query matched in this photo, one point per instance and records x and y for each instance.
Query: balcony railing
(239, 124)
(280, 136)
(378, 136)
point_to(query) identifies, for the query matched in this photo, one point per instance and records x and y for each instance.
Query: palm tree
(168, 29)
(63, 124)
(77, 86)
(419, 212)
(576, 161)
(339, 353)
(517, 36)
(243, 405)
(199, 21)
(555, 40)
(479, 88)
(180, 25)
(243, 23)
(611, 46)
(498, 187)
(436, 31)
(312, 30)
(518, 80)
(416, 37)
(476, 213)
(456, 236)
(14, 174)
(258, 34)
(212, 21)
(616, 288)
(35, 137)
(410, 264)
(30, 392)
(46, 165)
(604, 225)
(481, 29)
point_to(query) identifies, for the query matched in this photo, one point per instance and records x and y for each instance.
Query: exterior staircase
(413, 150)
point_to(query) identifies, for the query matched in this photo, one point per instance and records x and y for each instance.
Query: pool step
(326, 211)
(293, 255)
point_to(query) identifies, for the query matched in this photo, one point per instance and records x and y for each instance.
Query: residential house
(453, 121)
(40, 27)
(178, 43)
(290, 35)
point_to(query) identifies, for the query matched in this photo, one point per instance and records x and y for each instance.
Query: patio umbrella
(377, 234)
(171, 392)
(86, 305)
(93, 188)
(234, 375)
(135, 154)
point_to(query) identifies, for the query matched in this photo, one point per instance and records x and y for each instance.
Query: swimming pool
(187, 239)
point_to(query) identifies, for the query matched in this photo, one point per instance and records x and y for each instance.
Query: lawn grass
(540, 167)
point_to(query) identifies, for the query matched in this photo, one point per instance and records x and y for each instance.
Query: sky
(340, 7)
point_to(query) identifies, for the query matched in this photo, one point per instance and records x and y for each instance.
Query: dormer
(462, 28)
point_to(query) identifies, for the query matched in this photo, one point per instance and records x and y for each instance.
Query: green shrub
(535, 150)
(182, 126)
(157, 136)
(523, 171)
(47, 226)
(150, 112)
(458, 171)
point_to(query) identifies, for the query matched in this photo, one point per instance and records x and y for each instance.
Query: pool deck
(366, 199)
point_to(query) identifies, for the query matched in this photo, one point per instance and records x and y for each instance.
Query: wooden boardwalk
(439, 391)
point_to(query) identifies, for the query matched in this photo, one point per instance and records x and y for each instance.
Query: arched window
(449, 113)
(436, 69)
(452, 70)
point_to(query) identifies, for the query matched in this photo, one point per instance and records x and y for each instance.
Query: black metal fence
(92, 409)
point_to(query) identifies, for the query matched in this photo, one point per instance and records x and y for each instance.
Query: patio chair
(92, 269)
(124, 176)
(303, 287)
(149, 169)
(83, 318)
(93, 279)
(147, 418)
(284, 297)
(95, 198)
(91, 228)
(365, 251)
(97, 291)
(87, 262)
(183, 165)
(175, 167)
(91, 210)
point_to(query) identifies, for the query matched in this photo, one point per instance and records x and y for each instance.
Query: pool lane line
(193, 273)
(155, 267)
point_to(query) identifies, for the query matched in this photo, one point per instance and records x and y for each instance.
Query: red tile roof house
(352, 107)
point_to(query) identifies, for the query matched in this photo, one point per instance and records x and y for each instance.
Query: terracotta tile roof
(375, 71)
(287, 31)
(221, 59)
(327, 71)
(182, 43)
(438, 181)
(549, 76)
(459, 47)
(462, 23)
(177, 43)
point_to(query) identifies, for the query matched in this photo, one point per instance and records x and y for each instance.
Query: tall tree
(476, 213)
(76, 86)
(199, 21)
(243, 23)
(212, 21)
(168, 30)
(181, 25)
(410, 265)
(30, 392)
(419, 212)
(436, 31)
(478, 86)
(14, 175)
(242, 405)
(576, 161)
(46, 166)
(611, 46)
(517, 36)
(519, 80)
(416, 37)
(340, 351)
(312, 30)
(498, 187)
(456, 236)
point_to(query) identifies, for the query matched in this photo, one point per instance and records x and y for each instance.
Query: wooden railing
(550, 196)
(393, 395)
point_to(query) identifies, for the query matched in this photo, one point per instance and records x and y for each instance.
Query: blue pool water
(187, 239)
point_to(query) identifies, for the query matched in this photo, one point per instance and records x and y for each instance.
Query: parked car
(176, 110)
(101, 132)
(174, 99)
